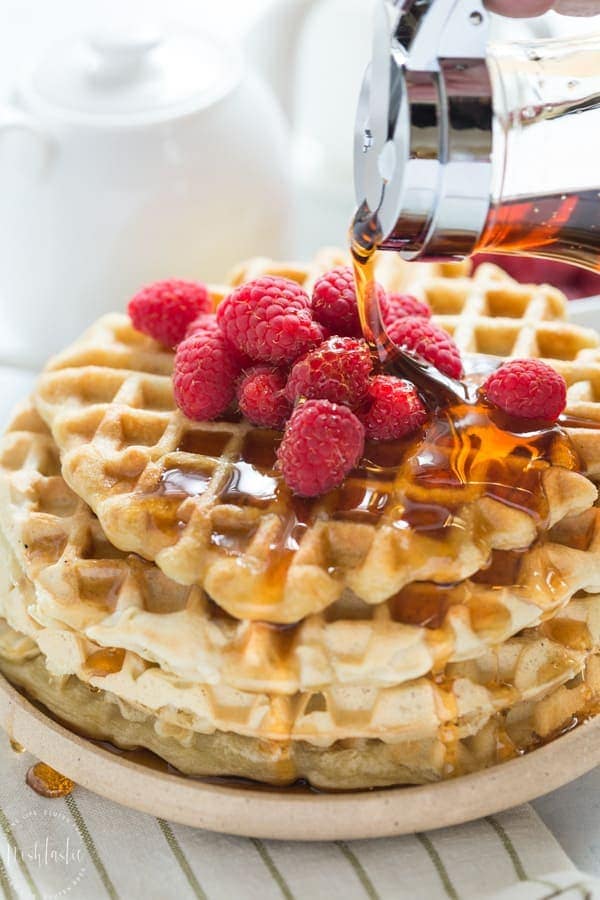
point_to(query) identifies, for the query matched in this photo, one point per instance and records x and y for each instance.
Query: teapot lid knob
(120, 52)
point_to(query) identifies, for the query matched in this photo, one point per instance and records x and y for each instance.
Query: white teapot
(129, 158)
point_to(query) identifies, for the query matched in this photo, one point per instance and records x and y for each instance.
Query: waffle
(121, 601)
(349, 764)
(486, 312)
(205, 502)
(462, 698)
(391, 270)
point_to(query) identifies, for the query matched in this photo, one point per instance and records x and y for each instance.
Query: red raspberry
(261, 397)
(395, 409)
(396, 306)
(426, 340)
(334, 302)
(321, 444)
(270, 319)
(164, 310)
(527, 388)
(205, 322)
(338, 370)
(206, 368)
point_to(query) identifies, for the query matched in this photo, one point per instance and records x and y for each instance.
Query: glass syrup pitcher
(464, 146)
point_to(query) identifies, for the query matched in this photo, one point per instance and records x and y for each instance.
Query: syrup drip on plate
(46, 782)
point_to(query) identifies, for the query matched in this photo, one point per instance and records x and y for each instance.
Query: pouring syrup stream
(436, 388)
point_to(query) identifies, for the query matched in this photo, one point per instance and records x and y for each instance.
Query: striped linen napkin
(84, 847)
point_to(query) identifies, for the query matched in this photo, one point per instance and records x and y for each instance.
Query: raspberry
(321, 444)
(527, 388)
(334, 302)
(261, 397)
(164, 310)
(206, 368)
(270, 319)
(338, 370)
(396, 306)
(395, 410)
(206, 322)
(429, 342)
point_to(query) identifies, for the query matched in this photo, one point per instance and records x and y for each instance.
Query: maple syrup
(107, 661)
(464, 452)
(47, 782)
(564, 227)
(365, 238)
(16, 747)
(569, 633)
(422, 604)
(467, 443)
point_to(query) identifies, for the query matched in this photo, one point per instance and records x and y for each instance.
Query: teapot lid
(140, 72)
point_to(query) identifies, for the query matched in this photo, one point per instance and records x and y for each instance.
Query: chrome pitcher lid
(423, 134)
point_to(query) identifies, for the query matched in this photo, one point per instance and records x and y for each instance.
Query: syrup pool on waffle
(463, 453)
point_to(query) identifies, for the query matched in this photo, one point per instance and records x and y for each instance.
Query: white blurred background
(323, 73)
(308, 55)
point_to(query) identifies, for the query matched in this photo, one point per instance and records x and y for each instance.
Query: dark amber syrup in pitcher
(558, 226)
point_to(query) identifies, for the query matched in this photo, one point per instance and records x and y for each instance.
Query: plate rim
(249, 812)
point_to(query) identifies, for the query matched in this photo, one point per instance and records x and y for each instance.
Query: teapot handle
(12, 119)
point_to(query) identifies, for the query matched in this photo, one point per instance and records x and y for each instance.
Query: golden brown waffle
(458, 702)
(205, 502)
(486, 312)
(15, 646)
(116, 600)
(392, 271)
(347, 764)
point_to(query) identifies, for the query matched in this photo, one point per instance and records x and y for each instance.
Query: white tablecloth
(115, 852)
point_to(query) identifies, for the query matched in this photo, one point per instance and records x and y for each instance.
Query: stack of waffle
(163, 589)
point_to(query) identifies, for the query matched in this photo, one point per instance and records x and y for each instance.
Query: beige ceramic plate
(298, 816)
